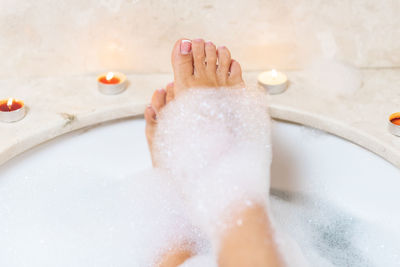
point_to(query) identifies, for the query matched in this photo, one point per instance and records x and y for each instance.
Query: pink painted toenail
(161, 90)
(186, 47)
(221, 47)
(170, 84)
(209, 43)
(198, 40)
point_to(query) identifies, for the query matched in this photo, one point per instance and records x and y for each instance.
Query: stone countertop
(60, 105)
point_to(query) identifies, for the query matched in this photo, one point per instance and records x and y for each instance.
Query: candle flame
(10, 102)
(274, 73)
(109, 76)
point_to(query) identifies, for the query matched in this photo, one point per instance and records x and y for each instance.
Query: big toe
(182, 62)
(159, 99)
(151, 125)
(170, 92)
(150, 116)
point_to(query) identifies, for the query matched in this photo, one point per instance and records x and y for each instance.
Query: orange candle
(396, 121)
(394, 124)
(110, 78)
(395, 118)
(11, 110)
(111, 83)
(10, 105)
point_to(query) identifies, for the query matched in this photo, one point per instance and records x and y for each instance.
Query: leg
(174, 257)
(250, 241)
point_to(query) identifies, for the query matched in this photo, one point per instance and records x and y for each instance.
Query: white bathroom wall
(68, 37)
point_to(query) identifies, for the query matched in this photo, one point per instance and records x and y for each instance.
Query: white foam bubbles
(89, 221)
(332, 237)
(215, 144)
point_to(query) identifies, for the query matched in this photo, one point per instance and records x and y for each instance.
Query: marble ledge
(60, 105)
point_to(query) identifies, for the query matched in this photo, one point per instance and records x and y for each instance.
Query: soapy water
(89, 221)
(332, 237)
(215, 143)
(103, 222)
(93, 218)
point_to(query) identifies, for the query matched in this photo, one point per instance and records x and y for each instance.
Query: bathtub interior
(58, 203)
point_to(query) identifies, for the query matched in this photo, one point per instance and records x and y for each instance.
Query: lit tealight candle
(274, 81)
(394, 124)
(111, 83)
(11, 110)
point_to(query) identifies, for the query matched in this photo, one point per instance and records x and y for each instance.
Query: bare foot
(200, 64)
(196, 64)
(158, 101)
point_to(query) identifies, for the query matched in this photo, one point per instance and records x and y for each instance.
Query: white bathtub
(308, 166)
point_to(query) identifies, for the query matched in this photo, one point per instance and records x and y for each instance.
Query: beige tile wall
(68, 37)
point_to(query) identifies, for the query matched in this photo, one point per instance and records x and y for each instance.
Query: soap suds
(90, 220)
(83, 217)
(330, 236)
(214, 143)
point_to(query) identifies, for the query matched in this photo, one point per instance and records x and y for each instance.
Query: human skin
(199, 64)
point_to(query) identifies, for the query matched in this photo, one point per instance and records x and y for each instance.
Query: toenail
(161, 90)
(170, 84)
(198, 40)
(186, 47)
(221, 47)
(209, 43)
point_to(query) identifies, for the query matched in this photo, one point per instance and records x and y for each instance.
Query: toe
(158, 100)
(235, 74)
(211, 59)
(151, 125)
(150, 116)
(199, 57)
(170, 92)
(224, 63)
(182, 60)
